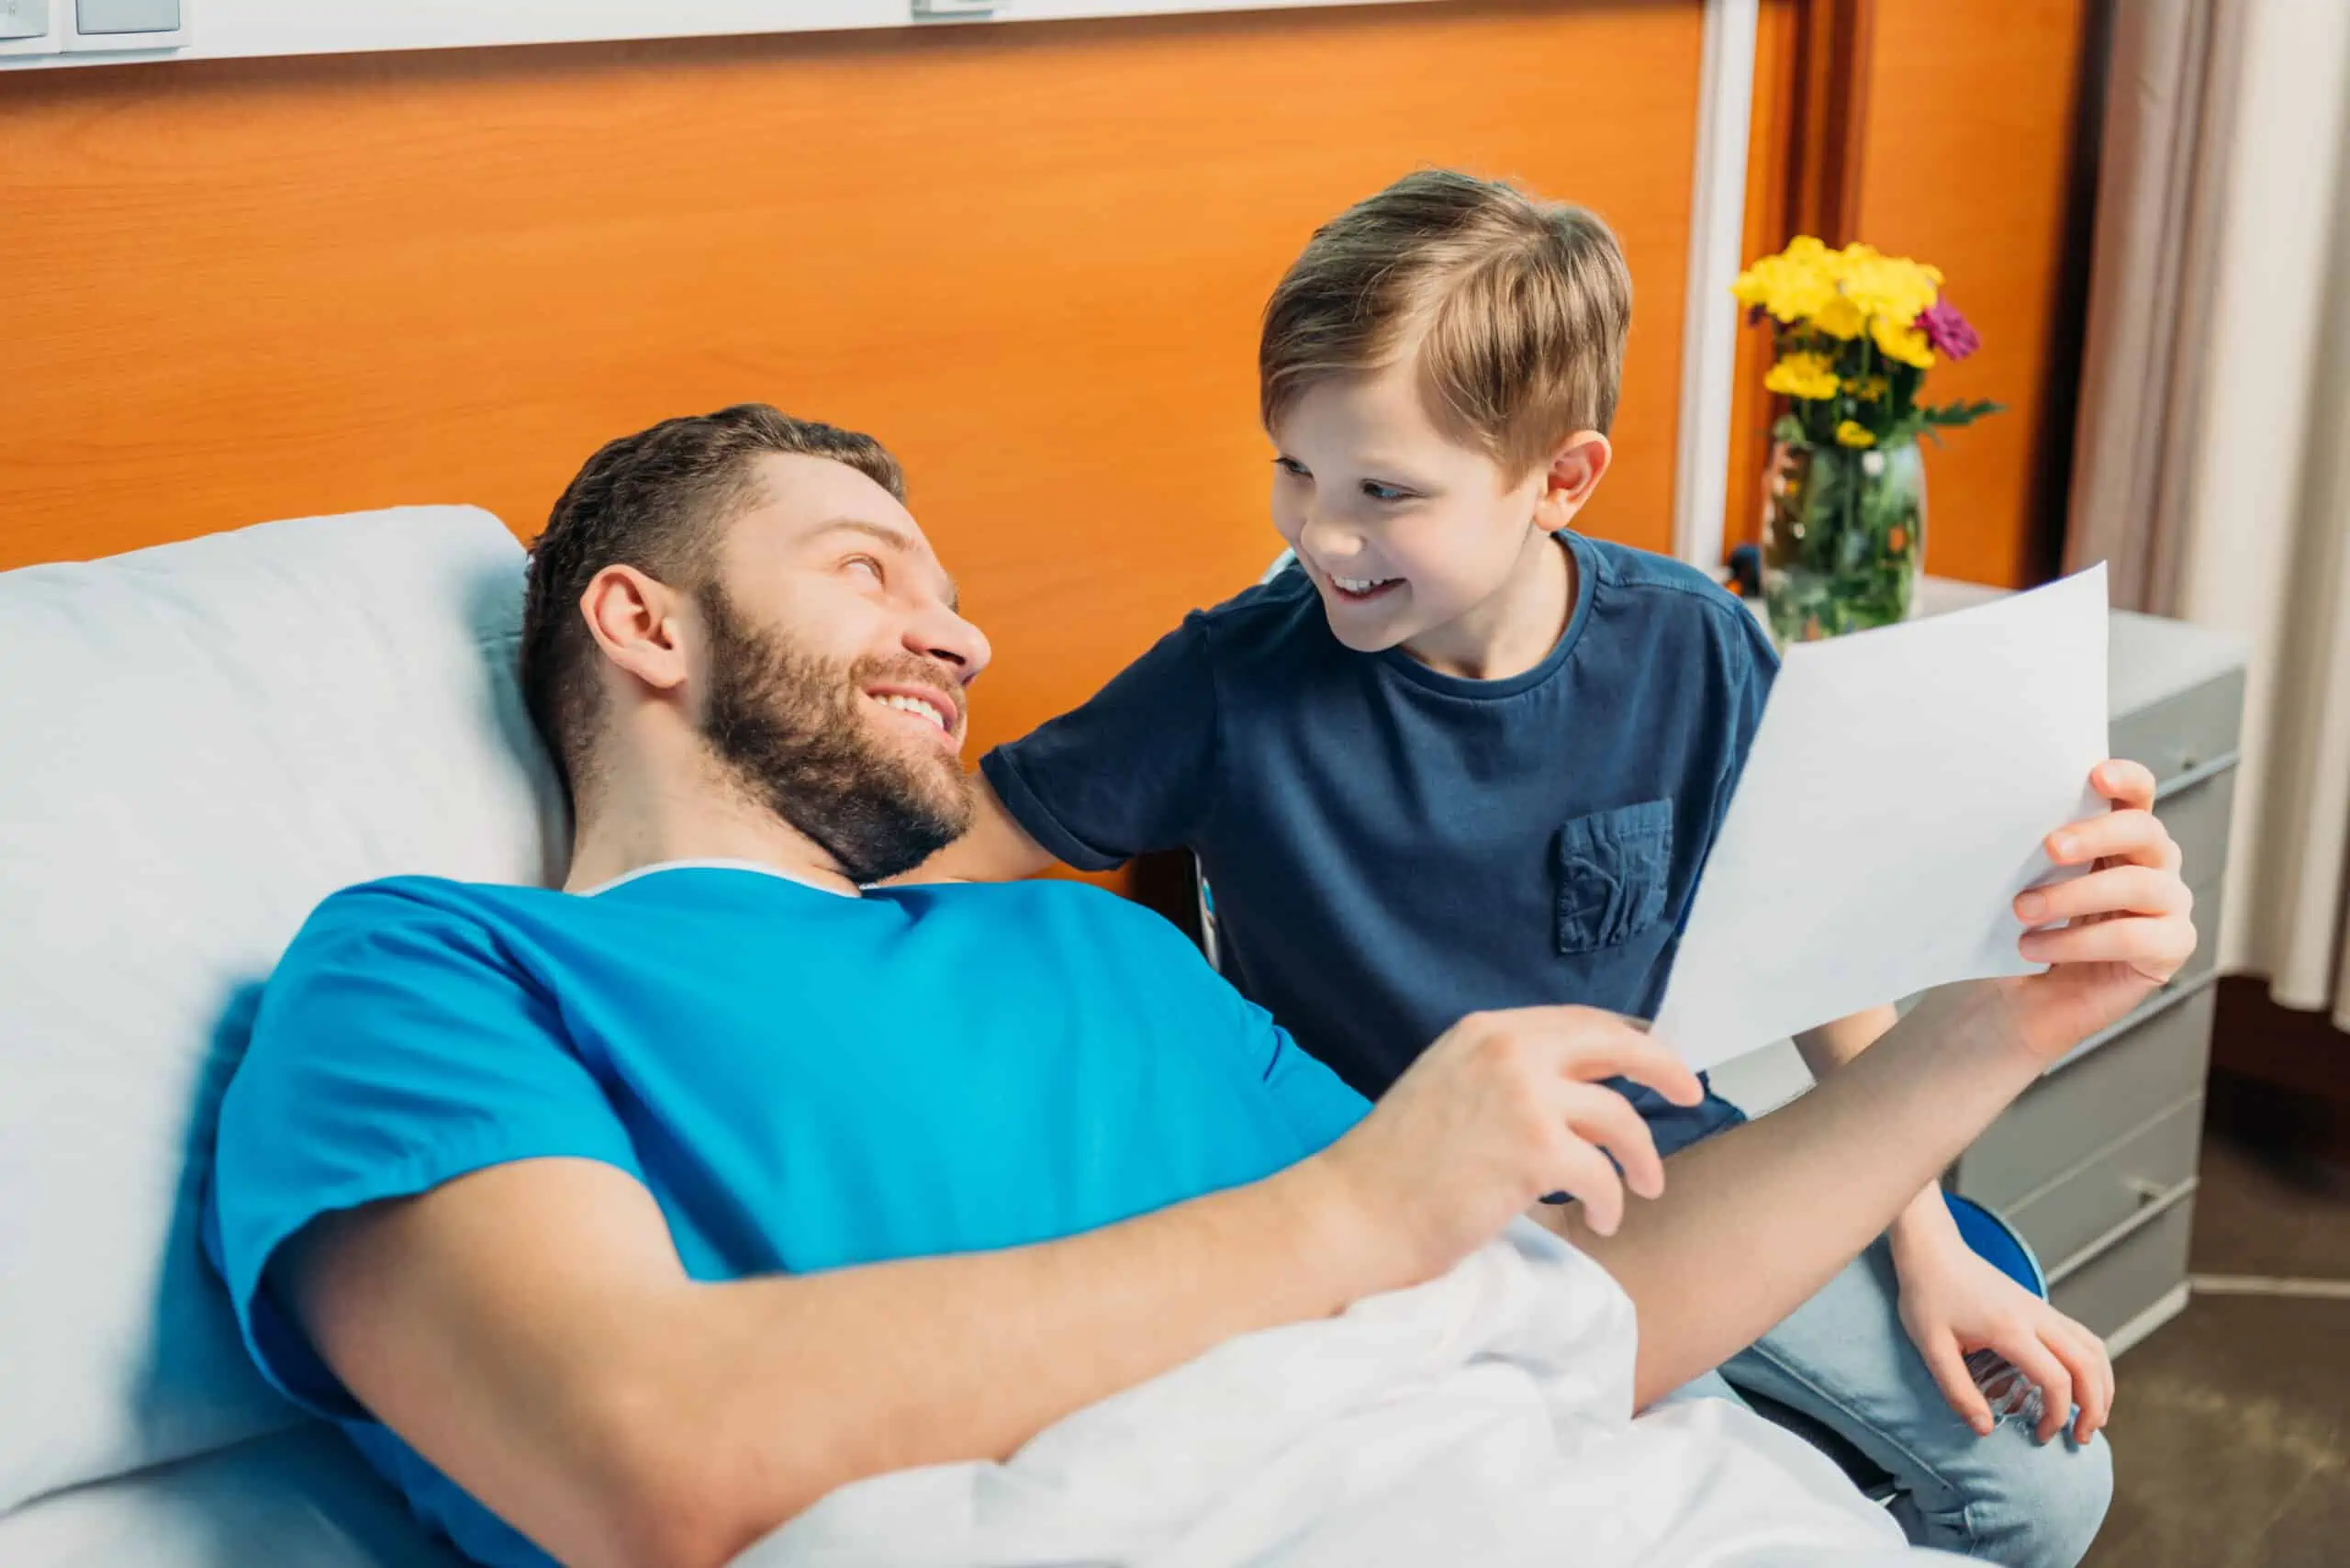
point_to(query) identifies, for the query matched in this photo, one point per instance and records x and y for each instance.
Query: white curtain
(2214, 446)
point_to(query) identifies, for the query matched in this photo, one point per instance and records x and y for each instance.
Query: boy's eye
(1379, 492)
(1293, 467)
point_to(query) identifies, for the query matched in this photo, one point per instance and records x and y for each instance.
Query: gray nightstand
(2096, 1163)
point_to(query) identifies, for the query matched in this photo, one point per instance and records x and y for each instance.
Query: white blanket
(1484, 1418)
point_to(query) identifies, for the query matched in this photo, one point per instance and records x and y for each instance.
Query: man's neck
(627, 824)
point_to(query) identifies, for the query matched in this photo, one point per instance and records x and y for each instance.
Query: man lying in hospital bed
(719, 1204)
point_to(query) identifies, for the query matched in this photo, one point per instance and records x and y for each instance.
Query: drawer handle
(2147, 1191)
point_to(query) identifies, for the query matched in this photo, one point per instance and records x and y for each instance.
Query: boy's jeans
(1843, 1360)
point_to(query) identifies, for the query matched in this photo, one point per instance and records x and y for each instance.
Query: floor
(2232, 1426)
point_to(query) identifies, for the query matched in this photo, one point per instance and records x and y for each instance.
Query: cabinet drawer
(2182, 733)
(2083, 1204)
(2115, 1286)
(2091, 1101)
(2198, 818)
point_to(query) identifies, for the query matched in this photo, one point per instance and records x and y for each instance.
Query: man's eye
(867, 565)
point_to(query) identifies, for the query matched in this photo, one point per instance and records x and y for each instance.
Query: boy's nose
(1326, 544)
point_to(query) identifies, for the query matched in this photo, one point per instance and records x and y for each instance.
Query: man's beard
(789, 725)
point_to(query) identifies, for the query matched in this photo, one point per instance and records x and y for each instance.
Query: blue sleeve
(396, 1048)
(1128, 773)
(1318, 1103)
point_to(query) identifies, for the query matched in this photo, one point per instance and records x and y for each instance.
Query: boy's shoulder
(1274, 616)
(1643, 588)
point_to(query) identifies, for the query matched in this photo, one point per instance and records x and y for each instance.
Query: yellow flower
(1793, 286)
(1869, 389)
(1887, 288)
(1840, 317)
(1899, 341)
(1844, 294)
(1852, 432)
(1802, 374)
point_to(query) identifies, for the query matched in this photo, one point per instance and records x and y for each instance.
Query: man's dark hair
(659, 501)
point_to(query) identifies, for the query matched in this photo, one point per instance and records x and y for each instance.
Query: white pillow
(198, 743)
(302, 1498)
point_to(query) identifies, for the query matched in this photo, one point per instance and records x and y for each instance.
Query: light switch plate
(123, 26)
(95, 17)
(31, 27)
(24, 19)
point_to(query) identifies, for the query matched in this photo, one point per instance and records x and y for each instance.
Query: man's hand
(1504, 1108)
(1953, 1304)
(2131, 928)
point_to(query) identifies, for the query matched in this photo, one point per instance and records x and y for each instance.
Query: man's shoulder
(1060, 911)
(411, 913)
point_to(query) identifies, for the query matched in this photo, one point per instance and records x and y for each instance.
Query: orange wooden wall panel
(1967, 164)
(1966, 159)
(1030, 258)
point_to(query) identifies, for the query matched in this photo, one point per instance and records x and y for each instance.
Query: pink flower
(1946, 330)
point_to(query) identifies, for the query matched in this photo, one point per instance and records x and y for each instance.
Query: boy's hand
(1504, 1108)
(2131, 929)
(1953, 1304)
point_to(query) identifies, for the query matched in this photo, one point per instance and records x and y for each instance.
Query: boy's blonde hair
(1517, 309)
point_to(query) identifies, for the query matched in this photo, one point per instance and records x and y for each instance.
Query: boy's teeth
(1360, 584)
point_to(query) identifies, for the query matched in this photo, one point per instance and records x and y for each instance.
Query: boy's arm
(996, 848)
(1952, 1303)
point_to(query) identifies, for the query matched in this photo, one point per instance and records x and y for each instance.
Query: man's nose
(943, 635)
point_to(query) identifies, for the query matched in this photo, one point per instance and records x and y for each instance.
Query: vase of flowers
(1844, 501)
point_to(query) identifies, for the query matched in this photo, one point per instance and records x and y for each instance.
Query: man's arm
(1924, 1224)
(529, 1331)
(1761, 1216)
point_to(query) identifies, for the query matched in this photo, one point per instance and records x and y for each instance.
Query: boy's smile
(1364, 588)
(1418, 540)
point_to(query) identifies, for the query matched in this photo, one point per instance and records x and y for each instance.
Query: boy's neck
(1516, 628)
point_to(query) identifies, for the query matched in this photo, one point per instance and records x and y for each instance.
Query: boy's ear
(1573, 473)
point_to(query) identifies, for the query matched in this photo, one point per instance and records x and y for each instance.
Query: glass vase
(1843, 538)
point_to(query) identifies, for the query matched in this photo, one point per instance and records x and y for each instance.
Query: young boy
(1458, 757)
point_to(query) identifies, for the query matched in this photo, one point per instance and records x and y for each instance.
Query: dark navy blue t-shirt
(1391, 847)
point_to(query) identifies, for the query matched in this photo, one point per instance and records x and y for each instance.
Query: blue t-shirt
(802, 1081)
(1391, 847)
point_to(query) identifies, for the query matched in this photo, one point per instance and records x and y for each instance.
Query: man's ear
(635, 620)
(1573, 472)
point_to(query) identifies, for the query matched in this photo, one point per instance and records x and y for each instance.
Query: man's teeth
(914, 705)
(1360, 584)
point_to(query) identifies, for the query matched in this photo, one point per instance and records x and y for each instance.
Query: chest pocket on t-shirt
(1614, 867)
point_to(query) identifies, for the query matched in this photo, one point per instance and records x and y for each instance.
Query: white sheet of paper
(1893, 804)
